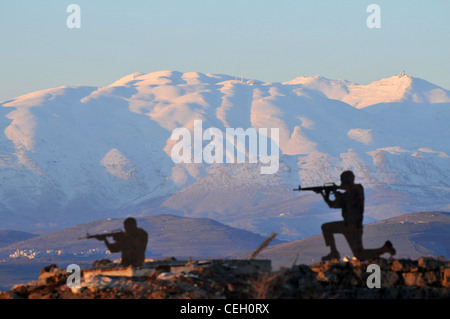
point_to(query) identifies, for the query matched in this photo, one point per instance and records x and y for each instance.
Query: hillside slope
(169, 236)
(413, 235)
(8, 237)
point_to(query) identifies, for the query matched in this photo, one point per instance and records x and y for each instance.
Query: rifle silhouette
(328, 187)
(115, 234)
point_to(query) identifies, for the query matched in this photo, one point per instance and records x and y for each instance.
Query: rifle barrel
(330, 186)
(103, 235)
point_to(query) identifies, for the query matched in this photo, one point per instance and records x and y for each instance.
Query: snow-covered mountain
(74, 154)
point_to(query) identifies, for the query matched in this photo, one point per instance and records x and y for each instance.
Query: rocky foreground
(425, 278)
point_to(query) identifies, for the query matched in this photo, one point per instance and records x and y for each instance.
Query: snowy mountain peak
(400, 88)
(397, 88)
(314, 80)
(169, 77)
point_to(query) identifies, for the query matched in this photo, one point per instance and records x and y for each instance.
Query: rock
(38, 295)
(446, 277)
(389, 278)
(47, 272)
(429, 263)
(167, 276)
(20, 290)
(102, 263)
(410, 279)
(431, 278)
(396, 266)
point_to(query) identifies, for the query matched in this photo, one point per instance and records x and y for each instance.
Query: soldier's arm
(336, 203)
(113, 247)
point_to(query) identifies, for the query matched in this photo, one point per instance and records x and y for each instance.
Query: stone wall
(426, 278)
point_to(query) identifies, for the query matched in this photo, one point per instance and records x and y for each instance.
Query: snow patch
(118, 165)
(429, 150)
(361, 135)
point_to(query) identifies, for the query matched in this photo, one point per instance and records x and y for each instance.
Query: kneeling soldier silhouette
(352, 204)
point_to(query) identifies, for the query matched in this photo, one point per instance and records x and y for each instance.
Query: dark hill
(413, 235)
(169, 235)
(8, 237)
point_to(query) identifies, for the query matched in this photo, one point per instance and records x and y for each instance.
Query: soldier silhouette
(131, 244)
(352, 204)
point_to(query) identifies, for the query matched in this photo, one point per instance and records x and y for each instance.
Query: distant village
(34, 254)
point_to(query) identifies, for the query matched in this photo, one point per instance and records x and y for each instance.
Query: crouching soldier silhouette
(132, 244)
(352, 204)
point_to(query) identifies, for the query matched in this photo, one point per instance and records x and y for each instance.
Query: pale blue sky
(273, 41)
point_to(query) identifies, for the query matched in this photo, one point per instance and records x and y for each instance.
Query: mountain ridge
(396, 88)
